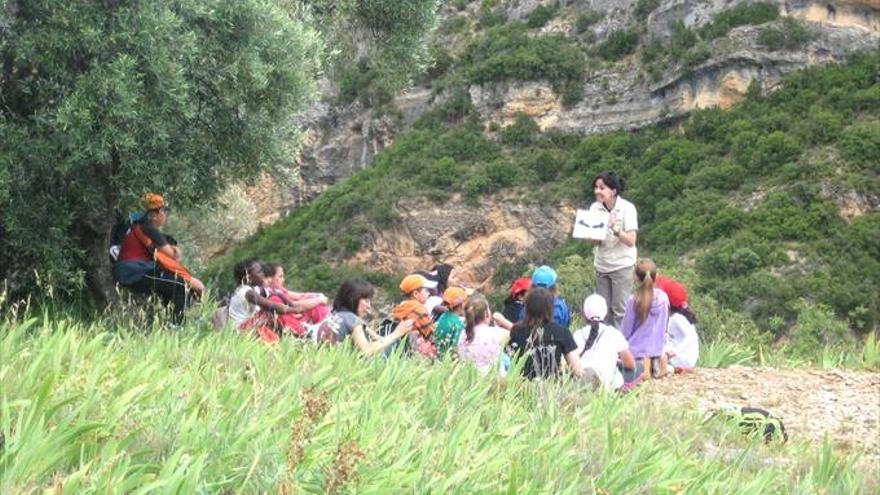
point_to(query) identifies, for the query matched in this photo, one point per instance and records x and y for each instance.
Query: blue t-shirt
(561, 314)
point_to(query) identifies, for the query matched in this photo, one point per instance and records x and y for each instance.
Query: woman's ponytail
(646, 274)
(591, 339)
(475, 312)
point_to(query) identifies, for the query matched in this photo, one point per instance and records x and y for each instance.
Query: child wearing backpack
(645, 320)
(447, 333)
(682, 341)
(601, 346)
(315, 306)
(483, 343)
(416, 288)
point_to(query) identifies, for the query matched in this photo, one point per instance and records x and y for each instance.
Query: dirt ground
(843, 404)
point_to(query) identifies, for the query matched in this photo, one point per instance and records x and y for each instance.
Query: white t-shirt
(682, 339)
(602, 357)
(612, 254)
(240, 310)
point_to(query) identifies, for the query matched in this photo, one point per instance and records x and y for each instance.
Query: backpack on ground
(754, 421)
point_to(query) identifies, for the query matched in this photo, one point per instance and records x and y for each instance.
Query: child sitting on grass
(448, 331)
(483, 343)
(250, 308)
(315, 307)
(600, 346)
(682, 341)
(352, 304)
(416, 289)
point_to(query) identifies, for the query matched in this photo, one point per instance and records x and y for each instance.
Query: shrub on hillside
(523, 132)
(740, 15)
(860, 144)
(644, 8)
(586, 19)
(620, 43)
(791, 35)
(540, 16)
(509, 53)
(794, 215)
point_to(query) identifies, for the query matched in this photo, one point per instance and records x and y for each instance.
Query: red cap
(675, 290)
(520, 285)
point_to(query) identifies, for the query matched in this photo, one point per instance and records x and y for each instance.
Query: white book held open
(591, 224)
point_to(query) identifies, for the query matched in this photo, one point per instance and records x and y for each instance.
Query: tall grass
(83, 409)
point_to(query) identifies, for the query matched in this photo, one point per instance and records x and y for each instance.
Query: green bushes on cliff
(748, 197)
(508, 52)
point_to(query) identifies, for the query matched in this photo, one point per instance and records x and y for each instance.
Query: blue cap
(544, 276)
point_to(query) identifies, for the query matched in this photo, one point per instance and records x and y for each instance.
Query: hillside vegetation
(768, 210)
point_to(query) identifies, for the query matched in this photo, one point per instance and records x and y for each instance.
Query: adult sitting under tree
(149, 264)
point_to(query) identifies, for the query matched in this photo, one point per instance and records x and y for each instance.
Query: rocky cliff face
(343, 140)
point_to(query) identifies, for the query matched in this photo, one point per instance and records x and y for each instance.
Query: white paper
(591, 224)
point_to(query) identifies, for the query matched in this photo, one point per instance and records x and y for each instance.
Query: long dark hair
(270, 269)
(686, 312)
(539, 310)
(591, 339)
(350, 294)
(443, 271)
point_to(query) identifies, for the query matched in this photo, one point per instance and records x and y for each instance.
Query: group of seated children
(456, 322)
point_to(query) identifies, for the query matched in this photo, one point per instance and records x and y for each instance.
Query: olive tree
(101, 101)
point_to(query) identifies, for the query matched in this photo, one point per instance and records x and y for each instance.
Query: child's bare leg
(664, 366)
(646, 369)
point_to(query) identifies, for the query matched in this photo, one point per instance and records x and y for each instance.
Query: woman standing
(615, 257)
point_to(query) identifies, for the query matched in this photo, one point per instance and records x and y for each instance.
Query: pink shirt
(484, 350)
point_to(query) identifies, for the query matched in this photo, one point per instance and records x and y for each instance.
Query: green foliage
(739, 15)
(523, 132)
(455, 24)
(586, 19)
(540, 16)
(791, 35)
(199, 411)
(508, 53)
(860, 144)
(490, 17)
(644, 8)
(618, 44)
(103, 103)
(398, 33)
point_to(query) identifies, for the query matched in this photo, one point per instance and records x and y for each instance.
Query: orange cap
(152, 201)
(413, 282)
(453, 296)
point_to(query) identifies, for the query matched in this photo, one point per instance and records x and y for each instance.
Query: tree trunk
(98, 270)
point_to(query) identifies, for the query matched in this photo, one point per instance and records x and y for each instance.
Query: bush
(586, 19)
(792, 35)
(619, 44)
(508, 52)
(644, 8)
(737, 256)
(740, 15)
(772, 151)
(490, 18)
(860, 144)
(539, 17)
(523, 132)
(455, 24)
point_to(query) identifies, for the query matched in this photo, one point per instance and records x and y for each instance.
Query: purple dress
(647, 339)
